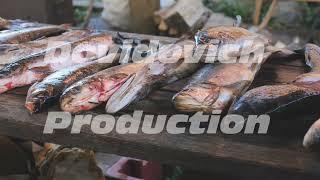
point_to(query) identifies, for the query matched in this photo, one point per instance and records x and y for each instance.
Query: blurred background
(286, 22)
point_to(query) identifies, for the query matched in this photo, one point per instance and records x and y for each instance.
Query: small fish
(93, 90)
(217, 85)
(36, 67)
(29, 34)
(277, 98)
(44, 93)
(153, 75)
(12, 52)
(311, 139)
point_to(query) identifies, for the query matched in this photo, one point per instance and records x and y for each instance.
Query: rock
(182, 17)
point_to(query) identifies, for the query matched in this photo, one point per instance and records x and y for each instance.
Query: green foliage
(310, 14)
(79, 13)
(233, 8)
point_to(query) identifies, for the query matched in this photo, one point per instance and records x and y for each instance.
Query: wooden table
(272, 156)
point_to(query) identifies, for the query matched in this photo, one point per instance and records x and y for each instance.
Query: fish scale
(36, 67)
(216, 85)
(42, 94)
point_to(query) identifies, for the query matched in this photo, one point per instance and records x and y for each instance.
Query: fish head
(243, 108)
(203, 97)
(36, 98)
(311, 139)
(92, 92)
(312, 55)
(79, 97)
(222, 34)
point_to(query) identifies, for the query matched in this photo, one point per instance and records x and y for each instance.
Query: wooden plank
(209, 152)
(256, 156)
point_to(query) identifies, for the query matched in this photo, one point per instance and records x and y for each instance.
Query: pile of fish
(90, 78)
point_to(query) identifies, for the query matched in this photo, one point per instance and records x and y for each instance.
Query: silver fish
(36, 67)
(29, 34)
(43, 94)
(153, 75)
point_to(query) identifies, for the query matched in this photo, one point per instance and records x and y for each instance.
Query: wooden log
(181, 17)
(142, 15)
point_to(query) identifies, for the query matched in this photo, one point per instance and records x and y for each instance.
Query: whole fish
(96, 89)
(153, 75)
(36, 67)
(312, 138)
(29, 34)
(44, 93)
(92, 91)
(277, 98)
(217, 85)
(13, 52)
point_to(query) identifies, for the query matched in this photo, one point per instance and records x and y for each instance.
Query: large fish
(29, 34)
(277, 98)
(153, 75)
(217, 85)
(43, 94)
(36, 67)
(13, 52)
(96, 89)
(92, 91)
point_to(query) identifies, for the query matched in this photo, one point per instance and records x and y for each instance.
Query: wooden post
(269, 14)
(142, 15)
(257, 12)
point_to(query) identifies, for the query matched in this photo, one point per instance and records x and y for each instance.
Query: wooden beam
(269, 14)
(257, 12)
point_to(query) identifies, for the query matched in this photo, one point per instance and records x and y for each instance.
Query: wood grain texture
(272, 156)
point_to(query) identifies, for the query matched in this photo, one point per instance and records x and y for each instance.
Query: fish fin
(131, 91)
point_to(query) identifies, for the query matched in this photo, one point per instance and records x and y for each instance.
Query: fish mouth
(75, 103)
(311, 139)
(33, 106)
(90, 101)
(242, 108)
